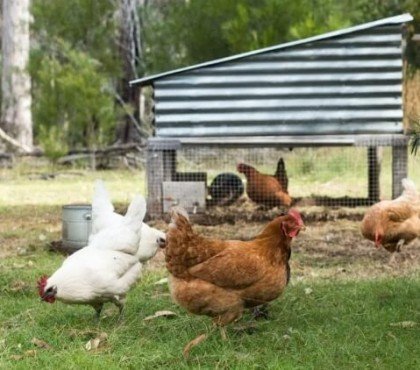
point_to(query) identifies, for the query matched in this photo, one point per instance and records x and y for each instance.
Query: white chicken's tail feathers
(410, 190)
(135, 213)
(101, 204)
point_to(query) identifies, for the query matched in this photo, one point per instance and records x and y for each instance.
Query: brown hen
(266, 189)
(220, 278)
(393, 223)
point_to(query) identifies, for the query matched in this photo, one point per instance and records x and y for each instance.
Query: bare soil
(326, 249)
(330, 247)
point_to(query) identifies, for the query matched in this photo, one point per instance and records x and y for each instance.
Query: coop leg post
(374, 167)
(399, 168)
(154, 182)
(169, 165)
(161, 166)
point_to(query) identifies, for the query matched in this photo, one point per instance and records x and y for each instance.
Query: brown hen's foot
(400, 244)
(260, 312)
(249, 329)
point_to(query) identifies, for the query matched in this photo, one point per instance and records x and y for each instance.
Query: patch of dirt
(325, 250)
(248, 211)
(330, 247)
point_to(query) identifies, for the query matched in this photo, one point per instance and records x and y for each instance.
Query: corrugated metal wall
(345, 85)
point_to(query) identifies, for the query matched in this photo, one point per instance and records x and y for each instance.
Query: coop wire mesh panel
(265, 178)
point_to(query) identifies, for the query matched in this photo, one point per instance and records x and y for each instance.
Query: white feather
(104, 216)
(107, 267)
(93, 276)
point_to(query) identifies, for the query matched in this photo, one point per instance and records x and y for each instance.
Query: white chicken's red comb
(42, 282)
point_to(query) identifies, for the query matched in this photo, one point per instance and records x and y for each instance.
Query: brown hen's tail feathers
(410, 191)
(284, 198)
(178, 214)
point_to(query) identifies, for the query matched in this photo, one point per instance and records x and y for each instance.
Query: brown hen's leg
(260, 312)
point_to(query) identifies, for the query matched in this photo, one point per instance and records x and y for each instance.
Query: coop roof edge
(399, 19)
(162, 143)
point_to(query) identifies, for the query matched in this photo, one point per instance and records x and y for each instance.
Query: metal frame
(161, 159)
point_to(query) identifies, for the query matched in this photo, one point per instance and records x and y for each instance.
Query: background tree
(75, 67)
(16, 117)
(84, 52)
(131, 54)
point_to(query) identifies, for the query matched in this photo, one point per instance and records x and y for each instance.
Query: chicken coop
(322, 117)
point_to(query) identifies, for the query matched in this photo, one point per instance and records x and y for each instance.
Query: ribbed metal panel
(348, 84)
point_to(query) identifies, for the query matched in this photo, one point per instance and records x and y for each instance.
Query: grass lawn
(346, 307)
(338, 325)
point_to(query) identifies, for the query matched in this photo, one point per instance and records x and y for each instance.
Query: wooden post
(399, 168)
(374, 168)
(161, 166)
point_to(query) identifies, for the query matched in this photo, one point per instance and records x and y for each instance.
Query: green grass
(339, 325)
(23, 187)
(344, 323)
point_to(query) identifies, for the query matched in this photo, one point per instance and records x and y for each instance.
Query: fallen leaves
(193, 343)
(31, 352)
(40, 343)
(23, 265)
(162, 281)
(157, 314)
(97, 342)
(20, 286)
(308, 291)
(404, 324)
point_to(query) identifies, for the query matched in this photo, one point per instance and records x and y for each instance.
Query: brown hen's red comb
(296, 215)
(42, 282)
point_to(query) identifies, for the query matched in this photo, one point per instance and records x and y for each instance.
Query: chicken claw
(260, 312)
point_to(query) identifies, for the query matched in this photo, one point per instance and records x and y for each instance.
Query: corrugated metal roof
(366, 26)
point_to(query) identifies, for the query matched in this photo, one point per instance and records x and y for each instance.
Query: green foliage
(73, 65)
(53, 141)
(76, 60)
(367, 10)
(220, 28)
(415, 136)
(179, 32)
(72, 92)
(86, 25)
(263, 24)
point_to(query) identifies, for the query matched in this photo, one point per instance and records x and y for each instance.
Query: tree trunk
(16, 116)
(131, 56)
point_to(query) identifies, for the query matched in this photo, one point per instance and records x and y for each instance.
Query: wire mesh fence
(207, 177)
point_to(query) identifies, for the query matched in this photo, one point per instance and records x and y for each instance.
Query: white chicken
(104, 270)
(104, 216)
